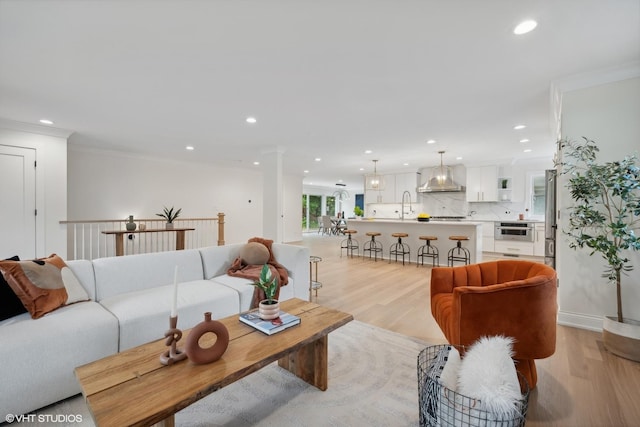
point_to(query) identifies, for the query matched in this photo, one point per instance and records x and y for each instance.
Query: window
(331, 206)
(311, 211)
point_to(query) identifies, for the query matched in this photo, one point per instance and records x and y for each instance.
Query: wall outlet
(507, 212)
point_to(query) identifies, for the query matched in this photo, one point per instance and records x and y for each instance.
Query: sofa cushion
(144, 315)
(39, 356)
(124, 274)
(242, 286)
(44, 284)
(254, 253)
(216, 260)
(10, 304)
(83, 270)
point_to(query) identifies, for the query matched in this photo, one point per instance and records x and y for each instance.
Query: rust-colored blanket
(240, 269)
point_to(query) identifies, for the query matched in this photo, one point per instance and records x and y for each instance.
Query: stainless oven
(514, 230)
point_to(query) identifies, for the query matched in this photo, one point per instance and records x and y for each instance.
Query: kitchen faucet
(402, 208)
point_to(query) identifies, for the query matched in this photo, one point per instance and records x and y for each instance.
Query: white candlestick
(174, 306)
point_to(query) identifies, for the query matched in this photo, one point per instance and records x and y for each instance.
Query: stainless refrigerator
(550, 217)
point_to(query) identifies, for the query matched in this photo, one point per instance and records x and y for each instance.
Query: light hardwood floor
(580, 385)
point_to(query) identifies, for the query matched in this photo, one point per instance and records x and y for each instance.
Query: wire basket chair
(441, 406)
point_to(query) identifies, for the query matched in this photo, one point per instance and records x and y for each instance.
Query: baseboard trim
(582, 321)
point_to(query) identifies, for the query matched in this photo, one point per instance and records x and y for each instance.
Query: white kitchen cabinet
(513, 247)
(538, 243)
(385, 195)
(482, 184)
(488, 236)
(406, 182)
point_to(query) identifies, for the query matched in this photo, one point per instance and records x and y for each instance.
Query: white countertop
(415, 221)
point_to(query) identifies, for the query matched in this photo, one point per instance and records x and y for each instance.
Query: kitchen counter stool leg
(372, 246)
(428, 251)
(458, 252)
(349, 244)
(400, 248)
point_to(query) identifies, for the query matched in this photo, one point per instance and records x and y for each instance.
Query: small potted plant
(268, 308)
(358, 212)
(170, 215)
(605, 219)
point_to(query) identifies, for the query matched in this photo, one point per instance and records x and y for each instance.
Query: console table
(120, 237)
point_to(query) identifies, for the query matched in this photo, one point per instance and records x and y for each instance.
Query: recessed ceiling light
(317, 159)
(525, 26)
(251, 120)
(528, 150)
(524, 140)
(305, 171)
(256, 163)
(189, 147)
(46, 122)
(405, 164)
(361, 169)
(459, 158)
(518, 127)
(368, 151)
(431, 141)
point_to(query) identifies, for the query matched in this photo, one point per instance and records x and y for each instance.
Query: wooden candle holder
(173, 335)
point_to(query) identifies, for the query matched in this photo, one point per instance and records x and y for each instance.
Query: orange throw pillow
(43, 285)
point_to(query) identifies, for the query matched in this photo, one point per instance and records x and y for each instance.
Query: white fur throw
(488, 373)
(449, 375)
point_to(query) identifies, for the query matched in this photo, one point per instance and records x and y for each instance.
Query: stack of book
(269, 327)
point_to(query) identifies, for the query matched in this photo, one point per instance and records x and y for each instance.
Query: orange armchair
(512, 297)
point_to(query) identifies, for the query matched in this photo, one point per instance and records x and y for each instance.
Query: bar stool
(314, 285)
(458, 252)
(428, 251)
(372, 246)
(400, 248)
(349, 244)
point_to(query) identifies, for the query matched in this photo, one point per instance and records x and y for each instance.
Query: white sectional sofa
(130, 305)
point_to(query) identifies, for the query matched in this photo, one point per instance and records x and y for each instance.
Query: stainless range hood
(441, 180)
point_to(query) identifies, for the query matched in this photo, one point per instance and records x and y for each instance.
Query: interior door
(18, 196)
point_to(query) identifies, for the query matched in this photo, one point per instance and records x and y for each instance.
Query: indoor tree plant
(605, 218)
(170, 215)
(268, 308)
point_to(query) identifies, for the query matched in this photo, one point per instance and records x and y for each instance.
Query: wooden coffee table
(134, 388)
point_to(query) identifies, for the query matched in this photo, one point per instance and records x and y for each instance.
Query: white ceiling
(326, 79)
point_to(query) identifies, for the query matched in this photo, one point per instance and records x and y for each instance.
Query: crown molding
(34, 128)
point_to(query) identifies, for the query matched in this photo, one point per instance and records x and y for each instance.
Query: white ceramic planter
(622, 339)
(268, 311)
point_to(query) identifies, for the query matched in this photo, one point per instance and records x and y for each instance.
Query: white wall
(51, 180)
(110, 185)
(292, 209)
(608, 114)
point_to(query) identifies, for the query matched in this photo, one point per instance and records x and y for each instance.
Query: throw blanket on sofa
(252, 272)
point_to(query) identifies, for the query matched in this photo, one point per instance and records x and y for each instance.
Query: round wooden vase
(201, 355)
(269, 309)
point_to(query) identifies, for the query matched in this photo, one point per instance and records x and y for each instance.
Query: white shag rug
(372, 382)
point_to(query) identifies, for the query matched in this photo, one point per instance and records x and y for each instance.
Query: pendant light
(440, 180)
(375, 181)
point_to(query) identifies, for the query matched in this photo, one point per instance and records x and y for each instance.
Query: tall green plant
(606, 212)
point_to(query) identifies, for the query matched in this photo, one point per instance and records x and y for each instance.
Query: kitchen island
(414, 228)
